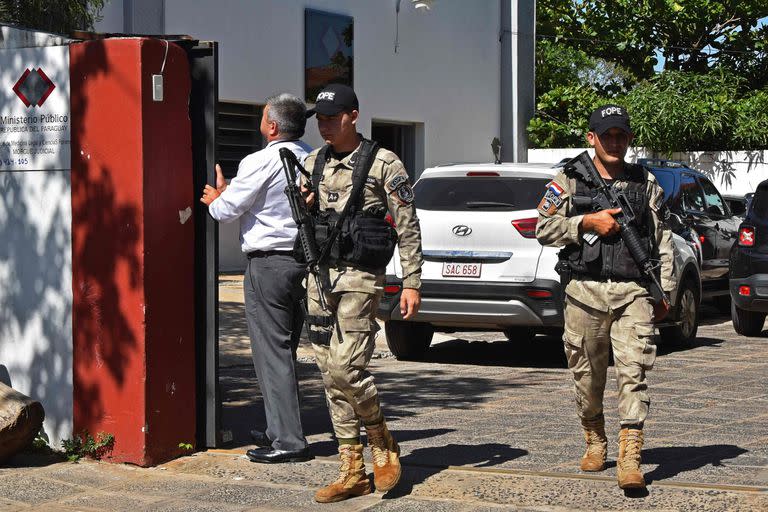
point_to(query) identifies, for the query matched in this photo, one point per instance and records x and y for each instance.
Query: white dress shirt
(257, 197)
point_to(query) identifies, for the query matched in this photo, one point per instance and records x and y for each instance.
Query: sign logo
(34, 87)
(461, 230)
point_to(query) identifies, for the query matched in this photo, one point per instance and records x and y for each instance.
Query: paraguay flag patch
(551, 201)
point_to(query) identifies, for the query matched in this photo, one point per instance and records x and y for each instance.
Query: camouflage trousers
(349, 387)
(589, 336)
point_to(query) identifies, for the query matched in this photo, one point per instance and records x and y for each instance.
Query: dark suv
(696, 204)
(749, 267)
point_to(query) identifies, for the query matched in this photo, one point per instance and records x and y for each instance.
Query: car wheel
(519, 334)
(687, 316)
(747, 323)
(408, 340)
(723, 303)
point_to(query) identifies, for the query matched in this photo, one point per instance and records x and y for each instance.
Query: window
(714, 203)
(488, 194)
(238, 134)
(690, 192)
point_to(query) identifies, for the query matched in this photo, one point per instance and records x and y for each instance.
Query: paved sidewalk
(484, 424)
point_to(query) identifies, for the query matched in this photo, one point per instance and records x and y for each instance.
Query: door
(399, 138)
(724, 224)
(695, 214)
(203, 60)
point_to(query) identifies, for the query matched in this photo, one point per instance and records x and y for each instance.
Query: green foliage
(562, 117)
(692, 35)
(676, 111)
(559, 64)
(86, 446)
(40, 444)
(673, 111)
(60, 16)
(185, 446)
(751, 126)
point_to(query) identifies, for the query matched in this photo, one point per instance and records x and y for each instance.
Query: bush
(751, 129)
(677, 111)
(673, 111)
(562, 117)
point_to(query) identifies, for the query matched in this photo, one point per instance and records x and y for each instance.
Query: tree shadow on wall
(106, 248)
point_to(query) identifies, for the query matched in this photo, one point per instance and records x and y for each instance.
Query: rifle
(608, 198)
(302, 217)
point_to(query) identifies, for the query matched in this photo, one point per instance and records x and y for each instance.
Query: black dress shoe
(260, 439)
(272, 456)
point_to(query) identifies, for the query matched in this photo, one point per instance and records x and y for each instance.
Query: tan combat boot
(352, 480)
(386, 457)
(597, 444)
(628, 466)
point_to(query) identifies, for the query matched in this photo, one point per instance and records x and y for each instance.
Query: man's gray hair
(290, 114)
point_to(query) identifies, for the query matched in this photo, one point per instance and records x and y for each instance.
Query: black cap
(333, 99)
(609, 116)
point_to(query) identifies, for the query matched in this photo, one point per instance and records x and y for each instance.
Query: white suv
(483, 267)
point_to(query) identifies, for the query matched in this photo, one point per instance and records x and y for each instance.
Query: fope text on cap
(609, 116)
(335, 98)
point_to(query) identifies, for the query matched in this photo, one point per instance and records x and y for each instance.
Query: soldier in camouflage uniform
(608, 304)
(352, 295)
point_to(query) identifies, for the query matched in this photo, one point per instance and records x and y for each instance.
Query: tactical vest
(362, 238)
(609, 258)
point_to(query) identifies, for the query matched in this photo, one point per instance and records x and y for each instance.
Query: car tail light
(539, 294)
(482, 173)
(746, 236)
(526, 227)
(702, 239)
(746, 291)
(390, 220)
(391, 289)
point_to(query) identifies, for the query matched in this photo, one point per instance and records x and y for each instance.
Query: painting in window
(328, 54)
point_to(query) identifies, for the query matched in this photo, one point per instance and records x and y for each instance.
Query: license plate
(461, 269)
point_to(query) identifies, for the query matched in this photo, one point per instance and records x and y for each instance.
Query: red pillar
(132, 248)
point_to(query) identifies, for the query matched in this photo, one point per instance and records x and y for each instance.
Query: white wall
(36, 292)
(445, 74)
(733, 172)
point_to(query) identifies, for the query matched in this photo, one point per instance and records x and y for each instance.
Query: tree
(691, 35)
(60, 16)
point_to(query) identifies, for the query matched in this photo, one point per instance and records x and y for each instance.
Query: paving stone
(26, 488)
(97, 500)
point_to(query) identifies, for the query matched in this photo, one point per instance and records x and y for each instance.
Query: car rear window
(500, 194)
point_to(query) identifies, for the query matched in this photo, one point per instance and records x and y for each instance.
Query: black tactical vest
(609, 258)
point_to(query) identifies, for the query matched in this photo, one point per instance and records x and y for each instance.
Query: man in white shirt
(273, 278)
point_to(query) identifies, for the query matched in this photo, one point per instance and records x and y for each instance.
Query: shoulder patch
(396, 182)
(552, 200)
(405, 194)
(370, 180)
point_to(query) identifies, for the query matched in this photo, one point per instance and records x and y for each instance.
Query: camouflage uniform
(353, 294)
(600, 314)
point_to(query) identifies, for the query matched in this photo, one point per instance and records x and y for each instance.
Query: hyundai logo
(461, 230)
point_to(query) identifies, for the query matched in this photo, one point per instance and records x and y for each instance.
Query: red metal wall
(132, 254)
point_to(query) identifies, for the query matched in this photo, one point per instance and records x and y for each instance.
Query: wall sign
(34, 109)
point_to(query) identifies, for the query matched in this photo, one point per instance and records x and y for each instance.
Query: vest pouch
(368, 242)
